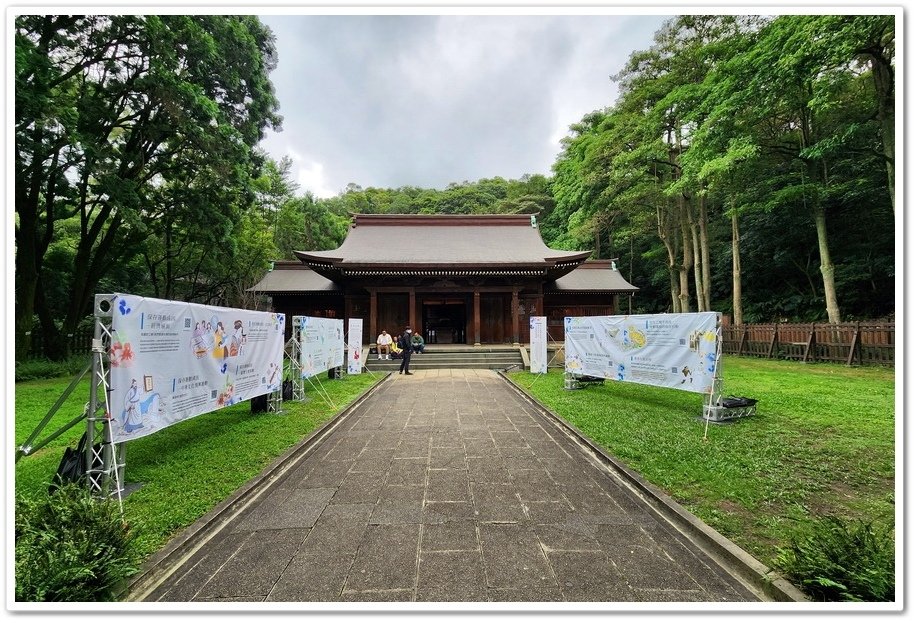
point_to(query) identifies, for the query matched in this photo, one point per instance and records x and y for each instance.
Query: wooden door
(493, 319)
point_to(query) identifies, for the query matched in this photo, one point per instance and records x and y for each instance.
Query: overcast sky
(425, 100)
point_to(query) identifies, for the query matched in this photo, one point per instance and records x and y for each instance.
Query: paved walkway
(448, 486)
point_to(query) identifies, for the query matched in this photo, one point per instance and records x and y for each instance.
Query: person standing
(404, 343)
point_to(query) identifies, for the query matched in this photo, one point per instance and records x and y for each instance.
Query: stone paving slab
(447, 486)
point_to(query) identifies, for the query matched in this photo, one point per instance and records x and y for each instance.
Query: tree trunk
(704, 253)
(883, 75)
(664, 233)
(697, 261)
(687, 256)
(26, 282)
(827, 269)
(737, 311)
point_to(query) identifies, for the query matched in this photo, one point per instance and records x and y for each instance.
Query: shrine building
(457, 279)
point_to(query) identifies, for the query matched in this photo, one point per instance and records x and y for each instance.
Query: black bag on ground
(734, 402)
(72, 467)
(259, 404)
(288, 389)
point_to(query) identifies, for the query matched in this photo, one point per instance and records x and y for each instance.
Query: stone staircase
(444, 356)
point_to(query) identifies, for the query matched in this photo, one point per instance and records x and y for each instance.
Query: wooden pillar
(514, 311)
(373, 316)
(412, 310)
(476, 317)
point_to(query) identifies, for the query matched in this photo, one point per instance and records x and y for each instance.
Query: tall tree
(108, 110)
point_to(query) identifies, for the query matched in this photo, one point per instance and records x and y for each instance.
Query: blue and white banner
(538, 339)
(355, 346)
(667, 350)
(321, 344)
(171, 361)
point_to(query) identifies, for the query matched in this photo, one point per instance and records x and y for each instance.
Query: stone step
(465, 358)
(394, 366)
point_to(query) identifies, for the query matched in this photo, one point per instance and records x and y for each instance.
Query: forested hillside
(747, 167)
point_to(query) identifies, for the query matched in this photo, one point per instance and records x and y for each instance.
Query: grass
(186, 469)
(821, 444)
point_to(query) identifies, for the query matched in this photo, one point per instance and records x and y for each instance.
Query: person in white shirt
(383, 341)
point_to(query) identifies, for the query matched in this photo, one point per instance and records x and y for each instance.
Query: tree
(109, 111)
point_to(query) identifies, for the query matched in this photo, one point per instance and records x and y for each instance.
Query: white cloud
(310, 175)
(425, 100)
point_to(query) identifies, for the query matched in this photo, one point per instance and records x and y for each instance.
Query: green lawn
(186, 469)
(822, 442)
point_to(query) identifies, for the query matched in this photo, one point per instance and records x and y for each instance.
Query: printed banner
(355, 342)
(171, 361)
(538, 326)
(321, 344)
(667, 350)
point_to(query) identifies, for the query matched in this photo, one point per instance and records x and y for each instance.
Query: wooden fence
(852, 343)
(80, 342)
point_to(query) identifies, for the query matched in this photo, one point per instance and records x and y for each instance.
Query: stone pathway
(448, 486)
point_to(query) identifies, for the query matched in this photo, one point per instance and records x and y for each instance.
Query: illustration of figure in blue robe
(136, 407)
(131, 414)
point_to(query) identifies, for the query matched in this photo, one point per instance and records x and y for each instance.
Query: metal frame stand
(711, 403)
(292, 352)
(105, 460)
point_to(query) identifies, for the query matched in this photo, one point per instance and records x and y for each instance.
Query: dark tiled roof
(294, 278)
(592, 276)
(425, 241)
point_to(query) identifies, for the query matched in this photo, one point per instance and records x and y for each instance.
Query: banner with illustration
(171, 361)
(538, 338)
(355, 343)
(667, 350)
(321, 344)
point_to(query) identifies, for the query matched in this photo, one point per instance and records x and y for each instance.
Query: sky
(426, 100)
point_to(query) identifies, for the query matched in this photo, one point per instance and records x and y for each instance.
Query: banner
(171, 361)
(538, 326)
(321, 344)
(667, 350)
(355, 342)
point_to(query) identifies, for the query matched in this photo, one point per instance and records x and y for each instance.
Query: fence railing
(851, 343)
(80, 342)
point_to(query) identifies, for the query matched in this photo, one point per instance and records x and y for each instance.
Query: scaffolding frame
(293, 350)
(105, 460)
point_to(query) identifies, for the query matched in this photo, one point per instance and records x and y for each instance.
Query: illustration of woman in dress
(220, 350)
(238, 338)
(198, 343)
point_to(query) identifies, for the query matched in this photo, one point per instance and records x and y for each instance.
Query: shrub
(838, 560)
(34, 369)
(71, 546)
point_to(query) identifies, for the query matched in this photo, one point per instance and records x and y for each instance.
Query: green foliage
(134, 133)
(71, 547)
(782, 121)
(839, 560)
(34, 369)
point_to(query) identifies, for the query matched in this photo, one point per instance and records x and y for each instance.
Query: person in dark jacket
(404, 342)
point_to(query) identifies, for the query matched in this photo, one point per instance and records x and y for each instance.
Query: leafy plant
(840, 560)
(34, 369)
(70, 547)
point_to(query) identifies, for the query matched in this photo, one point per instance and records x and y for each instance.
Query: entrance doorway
(445, 321)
